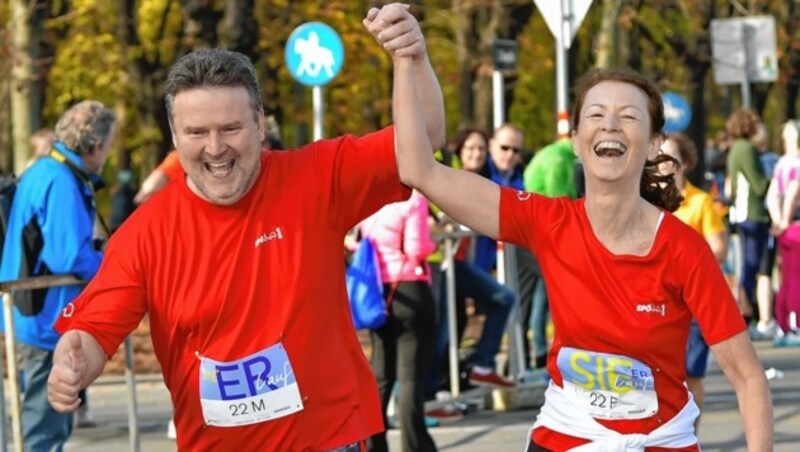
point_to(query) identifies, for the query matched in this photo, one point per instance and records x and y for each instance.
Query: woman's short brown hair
(742, 123)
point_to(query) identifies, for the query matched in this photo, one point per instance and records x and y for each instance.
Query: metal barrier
(450, 241)
(507, 257)
(42, 282)
(507, 275)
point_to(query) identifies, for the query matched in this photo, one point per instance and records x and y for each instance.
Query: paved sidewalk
(482, 431)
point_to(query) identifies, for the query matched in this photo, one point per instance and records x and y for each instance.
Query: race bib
(253, 389)
(610, 387)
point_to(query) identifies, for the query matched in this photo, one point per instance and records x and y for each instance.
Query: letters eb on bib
(253, 389)
(607, 386)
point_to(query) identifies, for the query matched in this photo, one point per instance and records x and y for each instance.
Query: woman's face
(670, 148)
(473, 153)
(613, 139)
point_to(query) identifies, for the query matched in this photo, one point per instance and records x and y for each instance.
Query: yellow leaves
(158, 29)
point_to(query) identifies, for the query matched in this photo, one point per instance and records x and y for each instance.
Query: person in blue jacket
(50, 231)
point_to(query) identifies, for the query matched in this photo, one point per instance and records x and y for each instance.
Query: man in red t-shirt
(239, 267)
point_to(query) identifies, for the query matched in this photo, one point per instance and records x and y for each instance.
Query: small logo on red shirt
(68, 310)
(266, 237)
(652, 308)
(523, 195)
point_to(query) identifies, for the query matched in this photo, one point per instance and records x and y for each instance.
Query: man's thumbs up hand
(69, 369)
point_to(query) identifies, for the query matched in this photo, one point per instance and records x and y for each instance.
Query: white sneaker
(171, 432)
(767, 329)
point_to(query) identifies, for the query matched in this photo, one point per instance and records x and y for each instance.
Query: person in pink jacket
(403, 347)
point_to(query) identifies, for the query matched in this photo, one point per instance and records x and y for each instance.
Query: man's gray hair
(210, 68)
(85, 125)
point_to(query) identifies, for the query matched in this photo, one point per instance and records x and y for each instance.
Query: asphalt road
(721, 428)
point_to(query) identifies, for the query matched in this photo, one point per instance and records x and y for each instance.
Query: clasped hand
(397, 30)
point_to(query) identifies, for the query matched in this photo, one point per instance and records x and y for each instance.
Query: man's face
(218, 139)
(503, 146)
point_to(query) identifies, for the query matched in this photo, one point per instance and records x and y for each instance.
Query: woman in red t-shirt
(624, 276)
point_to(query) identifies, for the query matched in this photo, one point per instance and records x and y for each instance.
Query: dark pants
(401, 352)
(43, 427)
(491, 298)
(533, 306)
(753, 236)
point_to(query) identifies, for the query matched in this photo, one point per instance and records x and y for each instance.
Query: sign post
(744, 50)
(504, 52)
(563, 18)
(314, 55)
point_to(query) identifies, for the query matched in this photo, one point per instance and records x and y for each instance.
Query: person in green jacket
(748, 188)
(551, 172)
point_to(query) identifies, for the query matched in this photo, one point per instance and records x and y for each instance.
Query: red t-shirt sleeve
(114, 302)
(527, 218)
(709, 298)
(171, 167)
(359, 175)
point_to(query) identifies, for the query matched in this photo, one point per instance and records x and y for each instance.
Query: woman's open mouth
(609, 149)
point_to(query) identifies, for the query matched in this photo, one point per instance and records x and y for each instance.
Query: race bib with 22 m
(607, 386)
(256, 388)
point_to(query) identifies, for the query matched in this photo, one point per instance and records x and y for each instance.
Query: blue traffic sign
(314, 54)
(677, 112)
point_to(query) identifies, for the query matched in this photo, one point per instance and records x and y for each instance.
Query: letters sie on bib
(253, 389)
(608, 386)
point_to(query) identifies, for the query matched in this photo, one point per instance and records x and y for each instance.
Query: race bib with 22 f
(608, 386)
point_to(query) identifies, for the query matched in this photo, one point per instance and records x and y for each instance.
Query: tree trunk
(464, 39)
(26, 87)
(793, 67)
(238, 29)
(148, 79)
(607, 38)
(6, 154)
(200, 24)
(697, 127)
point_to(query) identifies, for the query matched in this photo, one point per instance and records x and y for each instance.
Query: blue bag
(364, 288)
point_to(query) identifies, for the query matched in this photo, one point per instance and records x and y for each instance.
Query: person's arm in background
(737, 359)
(790, 200)
(753, 172)
(151, 185)
(417, 243)
(468, 198)
(718, 243)
(78, 360)
(170, 169)
(773, 202)
(713, 229)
